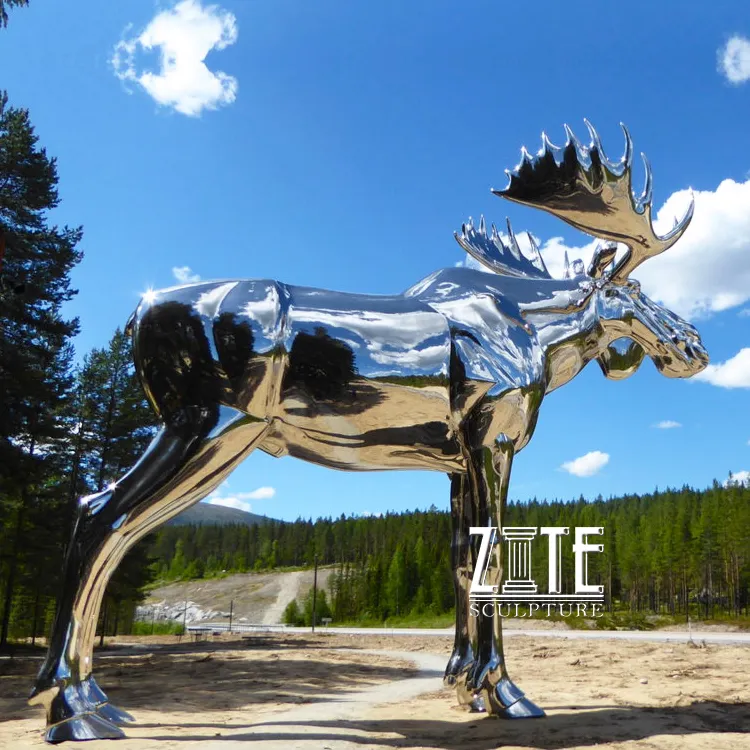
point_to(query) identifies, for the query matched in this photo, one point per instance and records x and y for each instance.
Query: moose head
(581, 186)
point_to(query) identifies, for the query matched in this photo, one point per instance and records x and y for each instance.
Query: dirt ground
(343, 692)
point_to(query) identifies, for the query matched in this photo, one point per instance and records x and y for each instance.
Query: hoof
(506, 701)
(76, 712)
(476, 705)
(98, 701)
(524, 709)
(112, 713)
(83, 727)
(459, 665)
(464, 696)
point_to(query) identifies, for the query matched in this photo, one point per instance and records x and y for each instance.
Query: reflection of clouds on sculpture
(557, 328)
(208, 303)
(408, 329)
(264, 311)
(497, 347)
(432, 359)
(444, 289)
(414, 340)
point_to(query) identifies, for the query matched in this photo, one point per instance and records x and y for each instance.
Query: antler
(581, 186)
(493, 253)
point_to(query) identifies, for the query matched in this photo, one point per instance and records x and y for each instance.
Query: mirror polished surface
(448, 376)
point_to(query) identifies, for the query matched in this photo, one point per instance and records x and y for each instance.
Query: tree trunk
(12, 570)
(35, 616)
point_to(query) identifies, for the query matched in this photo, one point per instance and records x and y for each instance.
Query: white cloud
(734, 373)
(230, 502)
(667, 424)
(239, 500)
(184, 35)
(708, 270)
(744, 313)
(588, 465)
(262, 493)
(185, 275)
(734, 59)
(739, 477)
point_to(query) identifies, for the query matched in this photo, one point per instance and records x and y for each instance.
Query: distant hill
(203, 514)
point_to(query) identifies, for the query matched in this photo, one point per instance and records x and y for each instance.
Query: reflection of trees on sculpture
(232, 366)
(321, 366)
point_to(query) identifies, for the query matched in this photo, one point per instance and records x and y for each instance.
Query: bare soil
(257, 598)
(287, 691)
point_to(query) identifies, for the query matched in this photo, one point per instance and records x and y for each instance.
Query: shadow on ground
(222, 676)
(572, 728)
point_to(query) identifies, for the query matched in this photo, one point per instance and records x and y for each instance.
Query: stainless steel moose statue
(448, 376)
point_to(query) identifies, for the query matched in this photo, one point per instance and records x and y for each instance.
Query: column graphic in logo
(519, 587)
(519, 579)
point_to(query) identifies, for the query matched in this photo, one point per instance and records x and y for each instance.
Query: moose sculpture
(448, 376)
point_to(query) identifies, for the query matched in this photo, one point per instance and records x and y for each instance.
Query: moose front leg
(186, 461)
(489, 474)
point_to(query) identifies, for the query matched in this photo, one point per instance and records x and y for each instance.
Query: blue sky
(339, 144)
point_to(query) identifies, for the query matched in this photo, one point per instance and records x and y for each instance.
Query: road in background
(659, 636)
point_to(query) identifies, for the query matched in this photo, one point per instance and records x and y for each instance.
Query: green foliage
(292, 615)
(321, 607)
(665, 553)
(64, 432)
(412, 620)
(9, 4)
(35, 377)
(301, 616)
(140, 627)
(624, 621)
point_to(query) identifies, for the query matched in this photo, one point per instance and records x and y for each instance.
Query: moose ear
(603, 256)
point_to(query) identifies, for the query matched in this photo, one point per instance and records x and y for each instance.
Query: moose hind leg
(462, 659)
(185, 462)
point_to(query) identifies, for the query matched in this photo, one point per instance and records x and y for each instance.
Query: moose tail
(129, 325)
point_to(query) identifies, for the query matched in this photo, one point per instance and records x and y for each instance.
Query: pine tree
(115, 421)
(35, 349)
(9, 4)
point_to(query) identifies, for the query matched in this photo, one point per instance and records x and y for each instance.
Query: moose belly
(363, 383)
(369, 426)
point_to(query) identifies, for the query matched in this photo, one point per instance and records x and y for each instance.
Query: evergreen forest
(71, 425)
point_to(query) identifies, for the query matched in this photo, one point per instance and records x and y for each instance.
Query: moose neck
(568, 329)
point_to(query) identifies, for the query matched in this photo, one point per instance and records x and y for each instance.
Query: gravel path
(290, 584)
(287, 729)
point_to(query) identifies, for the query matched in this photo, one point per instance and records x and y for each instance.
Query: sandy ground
(345, 692)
